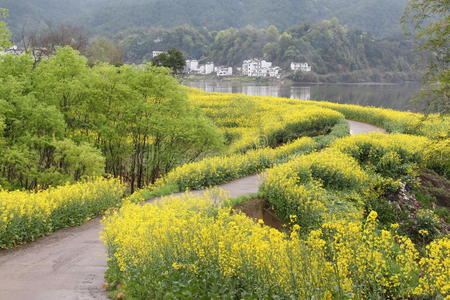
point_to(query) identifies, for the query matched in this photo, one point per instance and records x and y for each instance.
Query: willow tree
(144, 124)
(430, 21)
(139, 118)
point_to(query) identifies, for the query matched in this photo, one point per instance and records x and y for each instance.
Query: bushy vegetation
(191, 248)
(273, 121)
(221, 169)
(343, 238)
(25, 216)
(429, 21)
(435, 126)
(61, 120)
(277, 130)
(4, 31)
(335, 183)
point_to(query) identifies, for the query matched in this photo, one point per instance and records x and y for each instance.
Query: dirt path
(358, 128)
(70, 263)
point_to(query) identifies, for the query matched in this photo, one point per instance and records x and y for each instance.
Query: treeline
(379, 17)
(330, 47)
(62, 120)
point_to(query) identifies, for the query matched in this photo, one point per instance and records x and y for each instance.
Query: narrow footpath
(70, 263)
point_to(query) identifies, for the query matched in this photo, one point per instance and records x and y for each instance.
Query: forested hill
(31, 14)
(380, 17)
(330, 47)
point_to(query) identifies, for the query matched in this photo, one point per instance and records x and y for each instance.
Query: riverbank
(357, 77)
(386, 95)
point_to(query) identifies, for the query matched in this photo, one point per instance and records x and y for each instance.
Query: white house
(192, 66)
(156, 53)
(251, 67)
(274, 72)
(304, 67)
(207, 68)
(266, 64)
(259, 68)
(224, 71)
(13, 50)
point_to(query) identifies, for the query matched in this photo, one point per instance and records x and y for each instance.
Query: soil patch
(437, 187)
(259, 209)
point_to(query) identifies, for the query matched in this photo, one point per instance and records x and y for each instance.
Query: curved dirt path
(359, 128)
(70, 263)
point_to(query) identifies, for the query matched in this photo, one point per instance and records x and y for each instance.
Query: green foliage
(31, 15)
(105, 50)
(63, 120)
(423, 228)
(379, 17)
(28, 215)
(437, 157)
(335, 52)
(430, 19)
(139, 43)
(4, 32)
(313, 128)
(173, 60)
(78, 160)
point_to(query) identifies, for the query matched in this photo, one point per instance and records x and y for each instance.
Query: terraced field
(70, 264)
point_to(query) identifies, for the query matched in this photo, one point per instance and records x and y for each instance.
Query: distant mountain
(33, 14)
(380, 17)
(335, 52)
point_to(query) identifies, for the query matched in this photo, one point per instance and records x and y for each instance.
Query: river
(395, 96)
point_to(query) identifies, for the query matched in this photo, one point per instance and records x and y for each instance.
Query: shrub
(343, 179)
(315, 187)
(432, 126)
(217, 170)
(435, 270)
(437, 157)
(388, 155)
(26, 216)
(194, 249)
(256, 122)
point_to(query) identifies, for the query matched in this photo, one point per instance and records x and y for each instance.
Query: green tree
(5, 35)
(151, 132)
(430, 20)
(59, 81)
(172, 59)
(75, 161)
(105, 50)
(62, 120)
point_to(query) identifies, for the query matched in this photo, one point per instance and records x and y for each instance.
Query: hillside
(108, 17)
(330, 47)
(28, 15)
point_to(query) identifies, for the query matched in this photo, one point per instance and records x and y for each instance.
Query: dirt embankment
(259, 209)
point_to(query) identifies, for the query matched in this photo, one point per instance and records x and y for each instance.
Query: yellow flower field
(191, 248)
(333, 248)
(253, 122)
(25, 216)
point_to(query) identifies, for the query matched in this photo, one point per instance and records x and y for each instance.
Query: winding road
(70, 263)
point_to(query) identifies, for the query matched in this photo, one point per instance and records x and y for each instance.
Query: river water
(395, 96)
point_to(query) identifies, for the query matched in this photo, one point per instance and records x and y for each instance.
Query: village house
(274, 72)
(224, 71)
(259, 68)
(156, 53)
(304, 67)
(206, 69)
(192, 66)
(13, 50)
